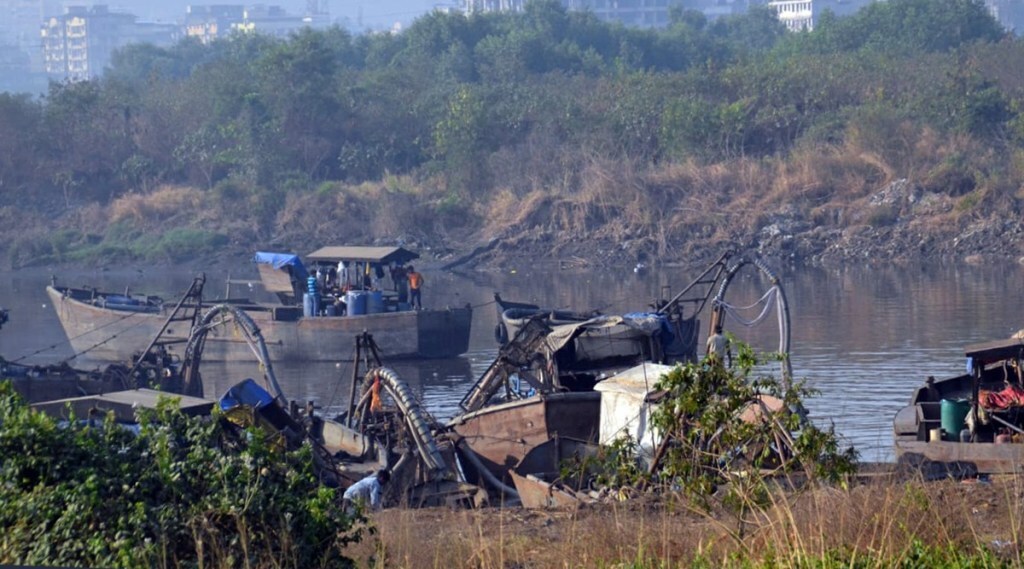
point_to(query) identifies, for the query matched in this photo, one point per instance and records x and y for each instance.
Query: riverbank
(901, 523)
(676, 215)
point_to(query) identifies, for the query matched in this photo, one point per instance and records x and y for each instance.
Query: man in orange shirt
(415, 282)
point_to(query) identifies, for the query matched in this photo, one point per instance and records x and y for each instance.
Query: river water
(862, 337)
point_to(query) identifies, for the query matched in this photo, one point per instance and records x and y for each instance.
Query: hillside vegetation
(896, 133)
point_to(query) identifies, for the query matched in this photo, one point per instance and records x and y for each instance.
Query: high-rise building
(212, 21)
(77, 45)
(216, 21)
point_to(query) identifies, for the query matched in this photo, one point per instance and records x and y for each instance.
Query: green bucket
(952, 414)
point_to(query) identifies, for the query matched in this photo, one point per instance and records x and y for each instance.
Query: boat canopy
(383, 255)
(996, 351)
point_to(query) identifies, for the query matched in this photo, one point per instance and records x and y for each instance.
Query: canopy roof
(365, 254)
(989, 352)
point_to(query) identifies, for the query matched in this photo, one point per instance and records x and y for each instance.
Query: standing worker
(719, 347)
(415, 284)
(311, 302)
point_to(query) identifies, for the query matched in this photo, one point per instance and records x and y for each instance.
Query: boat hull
(502, 435)
(988, 458)
(116, 335)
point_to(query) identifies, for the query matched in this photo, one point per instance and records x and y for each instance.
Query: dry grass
(668, 210)
(358, 214)
(876, 524)
(161, 204)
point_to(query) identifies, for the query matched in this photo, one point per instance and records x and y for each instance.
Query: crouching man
(367, 492)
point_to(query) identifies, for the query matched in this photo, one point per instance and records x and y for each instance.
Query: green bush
(183, 492)
(705, 443)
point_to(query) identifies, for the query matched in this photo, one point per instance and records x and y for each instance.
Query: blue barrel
(375, 302)
(952, 414)
(330, 310)
(356, 301)
(308, 306)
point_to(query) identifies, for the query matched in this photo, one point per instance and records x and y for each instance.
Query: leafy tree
(458, 140)
(20, 124)
(908, 26)
(89, 136)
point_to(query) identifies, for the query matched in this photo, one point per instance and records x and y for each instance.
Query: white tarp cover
(623, 409)
(601, 327)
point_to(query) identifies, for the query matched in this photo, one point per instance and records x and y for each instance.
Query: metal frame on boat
(542, 384)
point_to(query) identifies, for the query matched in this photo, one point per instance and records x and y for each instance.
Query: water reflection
(863, 337)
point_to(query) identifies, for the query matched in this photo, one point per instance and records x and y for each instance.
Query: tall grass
(872, 525)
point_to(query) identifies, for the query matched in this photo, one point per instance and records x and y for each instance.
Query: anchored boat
(319, 312)
(973, 422)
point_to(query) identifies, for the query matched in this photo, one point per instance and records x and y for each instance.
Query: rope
(73, 338)
(93, 347)
(69, 340)
(337, 384)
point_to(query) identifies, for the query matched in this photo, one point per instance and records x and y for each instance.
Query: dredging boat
(385, 426)
(545, 382)
(971, 423)
(321, 309)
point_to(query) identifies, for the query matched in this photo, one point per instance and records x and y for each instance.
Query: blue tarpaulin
(248, 393)
(282, 260)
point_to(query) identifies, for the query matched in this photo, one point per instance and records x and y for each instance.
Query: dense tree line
(510, 102)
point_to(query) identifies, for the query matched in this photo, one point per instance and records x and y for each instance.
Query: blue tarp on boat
(248, 393)
(282, 260)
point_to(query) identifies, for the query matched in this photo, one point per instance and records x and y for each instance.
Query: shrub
(184, 242)
(705, 443)
(181, 491)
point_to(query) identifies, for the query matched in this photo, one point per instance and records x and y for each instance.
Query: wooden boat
(46, 382)
(123, 404)
(974, 421)
(541, 386)
(109, 325)
(538, 477)
(513, 315)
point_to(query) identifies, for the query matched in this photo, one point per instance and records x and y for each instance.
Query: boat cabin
(340, 280)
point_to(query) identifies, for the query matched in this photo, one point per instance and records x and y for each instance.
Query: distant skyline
(374, 14)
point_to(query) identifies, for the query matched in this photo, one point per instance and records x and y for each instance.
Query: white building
(797, 15)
